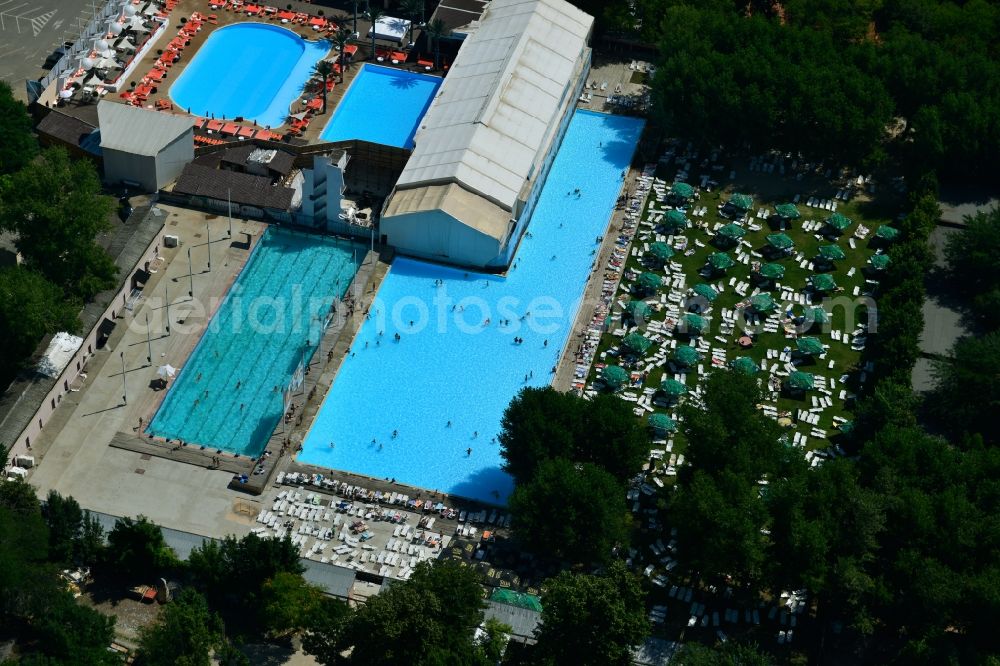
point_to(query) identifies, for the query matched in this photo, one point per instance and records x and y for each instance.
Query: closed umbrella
(675, 221)
(673, 388)
(810, 346)
(661, 251)
(166, 371)
(745, 365)
(614, 377)
(772, 271)
(831, 252)
(720, 261)
(780, 241)
(706, 291)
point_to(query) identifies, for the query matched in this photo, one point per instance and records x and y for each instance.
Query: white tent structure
(390, 29)
(58, 354)
(489, 135)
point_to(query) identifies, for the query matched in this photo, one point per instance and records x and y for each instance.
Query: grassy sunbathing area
(775, 281)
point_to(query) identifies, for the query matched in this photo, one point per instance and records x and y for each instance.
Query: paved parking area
(31, 29)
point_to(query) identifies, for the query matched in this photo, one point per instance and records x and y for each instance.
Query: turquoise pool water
(249, 70)
(224, 396)
(451, 366)
(383, 105)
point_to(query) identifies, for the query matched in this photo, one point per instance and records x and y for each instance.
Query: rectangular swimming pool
(229, 393)
(383, 105)
(412, 410)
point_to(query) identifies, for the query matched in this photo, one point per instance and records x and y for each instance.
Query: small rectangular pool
(228, 394)
(425, 410)
(383, 105)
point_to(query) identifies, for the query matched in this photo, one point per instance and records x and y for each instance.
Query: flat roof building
(142, 147)
(490, 134)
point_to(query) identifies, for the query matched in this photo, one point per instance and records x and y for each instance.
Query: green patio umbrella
(706, 291)
(823, 282)
(831, 252)
(650, 281)
(762, 303)
(686, 355)
(638, 309)
(810, 346)
(887, 233)
(732, 231)
(673, 388)
(772, 271)
(800, 381)
(615, 377)
(695, 323)
(880, 262)
(741, 201)
(780, 241)
(817, 315)
(683, 190)
(661, 251)
(637, 342)
(720, 261)
(745, 365)
(675, 221)
(662, 423)
(787, 211)
(839, 222)
(847, 427)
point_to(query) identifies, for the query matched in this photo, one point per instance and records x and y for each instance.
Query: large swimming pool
(229, 392)
(248, 70)
(383, 105)
(412, 409)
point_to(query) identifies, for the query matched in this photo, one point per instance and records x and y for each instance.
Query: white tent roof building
(490, 133)
(144, 147)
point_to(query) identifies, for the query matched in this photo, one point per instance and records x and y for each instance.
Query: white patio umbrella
(166, 371)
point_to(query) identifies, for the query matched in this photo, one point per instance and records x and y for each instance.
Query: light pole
(166, 300)
(190, 275)
(229, 200)
(124, 385)
(208, 244)
(149, 343)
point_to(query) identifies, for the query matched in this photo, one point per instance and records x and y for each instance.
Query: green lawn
(769, 190)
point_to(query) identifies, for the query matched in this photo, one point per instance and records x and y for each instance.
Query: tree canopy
(56, 208)
(185, 633)
(137, 550)
(542, 423)
(17, 144)
(591, 619)
(591, 517)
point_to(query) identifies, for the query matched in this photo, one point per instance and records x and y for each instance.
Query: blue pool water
(264, 327)
(383, 105)
(252, 70)
(449, 366)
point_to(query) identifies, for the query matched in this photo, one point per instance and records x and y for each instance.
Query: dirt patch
(130, 614)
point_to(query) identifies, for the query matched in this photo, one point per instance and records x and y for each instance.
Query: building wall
(119, 166)
(437, 236)
(172, 159)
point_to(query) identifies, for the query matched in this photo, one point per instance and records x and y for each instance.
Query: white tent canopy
(390, 29)
(58, 354)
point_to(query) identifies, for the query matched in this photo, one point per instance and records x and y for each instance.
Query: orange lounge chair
(214, 125)
(230, 128)
(245, 132)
